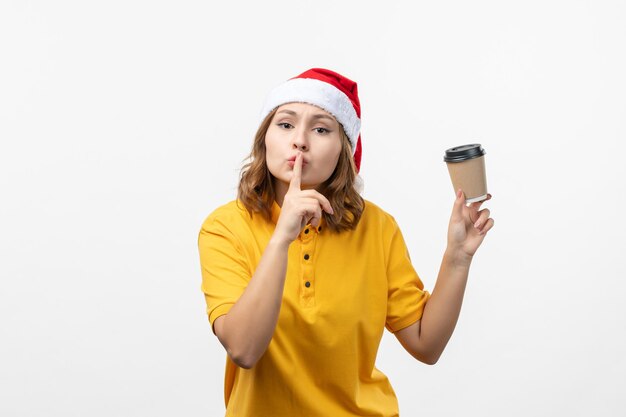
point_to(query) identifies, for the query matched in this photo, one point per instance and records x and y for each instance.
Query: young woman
(301, 275)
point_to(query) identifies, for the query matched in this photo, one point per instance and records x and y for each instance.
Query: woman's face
(310, 130)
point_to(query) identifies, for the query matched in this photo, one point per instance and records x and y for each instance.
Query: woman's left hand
(468, 226)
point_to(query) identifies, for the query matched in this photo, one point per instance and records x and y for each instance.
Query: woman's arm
(427, 338)
(247, 329)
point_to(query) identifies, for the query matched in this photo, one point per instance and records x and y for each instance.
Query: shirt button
(307, 284)
(306, 231)
(319, 229)
(306, 257)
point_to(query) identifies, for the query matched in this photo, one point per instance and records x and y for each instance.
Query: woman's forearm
(247, 329)
(442, 309)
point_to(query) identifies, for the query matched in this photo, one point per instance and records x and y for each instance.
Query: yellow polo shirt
(341, 291)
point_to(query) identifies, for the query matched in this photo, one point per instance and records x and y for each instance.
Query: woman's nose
(300, 141)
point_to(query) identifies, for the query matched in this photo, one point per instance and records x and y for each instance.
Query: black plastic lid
(464, 152)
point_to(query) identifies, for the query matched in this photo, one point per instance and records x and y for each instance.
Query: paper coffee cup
(466, 165)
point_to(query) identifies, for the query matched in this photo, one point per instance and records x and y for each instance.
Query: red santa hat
(328, 90)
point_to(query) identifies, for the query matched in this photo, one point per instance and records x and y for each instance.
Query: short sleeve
(406, 297)
(225, 269)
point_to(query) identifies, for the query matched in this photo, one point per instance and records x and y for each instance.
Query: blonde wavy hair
(256, 185)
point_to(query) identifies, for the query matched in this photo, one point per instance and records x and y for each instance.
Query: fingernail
(477, 224)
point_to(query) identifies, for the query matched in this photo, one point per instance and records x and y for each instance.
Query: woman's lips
(292, 161)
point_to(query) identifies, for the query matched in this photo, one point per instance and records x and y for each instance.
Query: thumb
(457, 210)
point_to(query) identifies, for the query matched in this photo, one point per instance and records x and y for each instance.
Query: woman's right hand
(300, 207)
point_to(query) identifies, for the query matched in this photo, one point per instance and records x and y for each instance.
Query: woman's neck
(280, 188)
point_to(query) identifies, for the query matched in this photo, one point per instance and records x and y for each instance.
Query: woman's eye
(321, 130)
(285, 125)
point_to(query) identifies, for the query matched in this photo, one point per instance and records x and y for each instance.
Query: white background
(123, 124)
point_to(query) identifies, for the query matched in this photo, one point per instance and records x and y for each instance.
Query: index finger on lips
(297, 173)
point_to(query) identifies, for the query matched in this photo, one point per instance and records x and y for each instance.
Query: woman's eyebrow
(315, 116)
(322, 116)
(293, 113)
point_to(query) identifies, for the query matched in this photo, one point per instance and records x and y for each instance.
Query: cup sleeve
(406, 297)
(225, 269)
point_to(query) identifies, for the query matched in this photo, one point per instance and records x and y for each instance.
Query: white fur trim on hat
(321, 94)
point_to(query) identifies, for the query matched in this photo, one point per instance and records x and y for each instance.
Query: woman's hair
(256, 184)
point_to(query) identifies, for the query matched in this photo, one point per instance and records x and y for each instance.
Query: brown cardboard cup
(466, 165)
